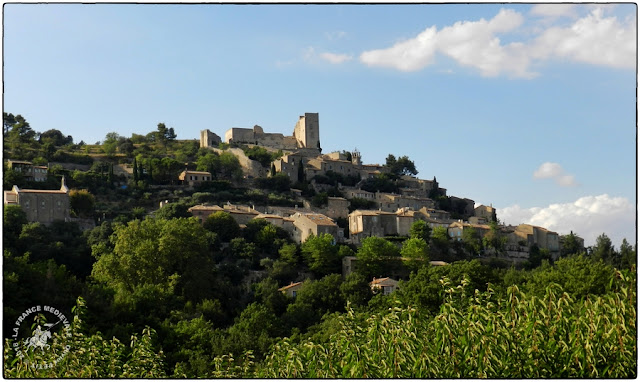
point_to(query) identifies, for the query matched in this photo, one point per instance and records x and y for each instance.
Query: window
(43, 204)
(26, 204)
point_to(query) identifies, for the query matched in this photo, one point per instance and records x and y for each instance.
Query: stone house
(193, 178)
(336, 207)
(456, 229)
(486, 212)
(43, 206)
(278, 221)
(321, 165)
(308, 223)
(351, 193)
(292, 289)
(466, 202)
(384, 285)
(30, 171)
(392, 202)
(289, 164)
(202, 211)
(533, 235)
(422, 185)
(366, 223)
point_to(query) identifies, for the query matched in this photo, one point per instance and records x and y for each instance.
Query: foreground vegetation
(482, 335)
(165, 296)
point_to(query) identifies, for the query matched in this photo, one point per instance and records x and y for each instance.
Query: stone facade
(487, 212)
(193, 178)
(336, 207)
(289, 164)
(307, 224)
(307, 131)
(539, 236)
(43, 206)
(29, 170)
(306, 135)
(456, 229)
(366, 223)
(209, 139)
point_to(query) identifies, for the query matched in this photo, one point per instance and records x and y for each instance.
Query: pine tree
(136, 177)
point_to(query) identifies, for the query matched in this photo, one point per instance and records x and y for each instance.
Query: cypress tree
(135, 171)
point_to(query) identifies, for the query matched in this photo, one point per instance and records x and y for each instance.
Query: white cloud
(470, 43)
(408, 56)
(593, 39)
(550, 170)
(553, 10)
(587, 217)
(335, 58)
(309, 54)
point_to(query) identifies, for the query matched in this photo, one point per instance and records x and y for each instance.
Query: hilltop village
(338, 194)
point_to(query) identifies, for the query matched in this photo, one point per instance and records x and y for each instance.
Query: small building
(202, 211)
(30, 171)
(292, 289)
(43, 206)
(542, 237)
(486, 212)
(366, 223)
(384, 285)
(307, 224)
(456, 229)
(193, 178)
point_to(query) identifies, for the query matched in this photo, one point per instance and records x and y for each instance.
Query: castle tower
(209, 139)
(355, 158)
(307, 131)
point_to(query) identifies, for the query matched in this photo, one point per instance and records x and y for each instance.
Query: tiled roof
(289, 286)
(319, 219)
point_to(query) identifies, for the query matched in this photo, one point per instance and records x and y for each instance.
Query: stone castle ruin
(306, 136)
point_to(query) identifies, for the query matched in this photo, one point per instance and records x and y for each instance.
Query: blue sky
(531, 108)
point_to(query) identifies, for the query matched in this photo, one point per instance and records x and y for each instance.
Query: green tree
(372, 255)
(230, 166)
(627, 255)
(570, 245)
(420, 230)
(224, 225)
(472, 241)
(157, 258)
(82, 202)
(494, 239)
(321, 254)
(355, 290)
(604, 250)
(289, 253)
(415, 253)
(440, 243)
(14, 219)
(173, 211)
(400, 166)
